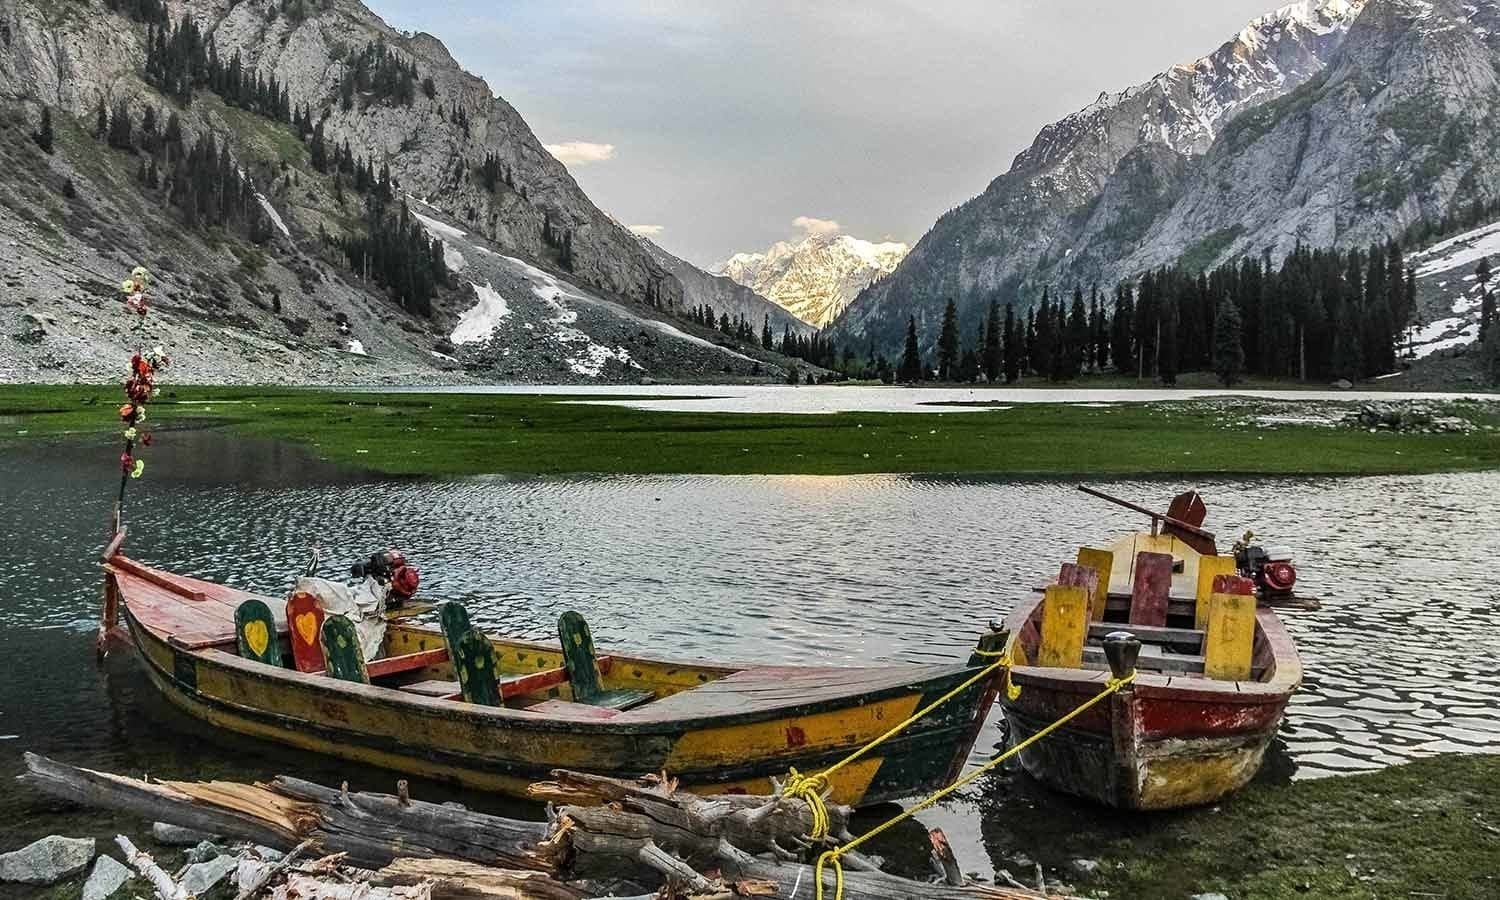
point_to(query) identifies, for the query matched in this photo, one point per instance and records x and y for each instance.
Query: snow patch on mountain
(453, 259)
(1465, 249)
(273, 215)
(478, 321)
(815, 278)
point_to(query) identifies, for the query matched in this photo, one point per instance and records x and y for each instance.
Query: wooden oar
(1155, 516)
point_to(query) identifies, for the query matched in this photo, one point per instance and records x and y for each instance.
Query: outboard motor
(1270, 567)
(390, 569)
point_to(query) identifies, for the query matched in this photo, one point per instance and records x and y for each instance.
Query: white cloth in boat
(363, 604)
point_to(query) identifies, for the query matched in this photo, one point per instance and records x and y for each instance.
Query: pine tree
(1121, 346)
(318, 152)
(1229, 351)
(948, 343)
(767, 339)
(911, 358)
(1167, 348)
(1078, 335)
(119, 127)
(1012, 346)
(101, 121)
(43, 135)
(992, 343)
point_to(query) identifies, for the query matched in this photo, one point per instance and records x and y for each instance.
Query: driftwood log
(701, 847)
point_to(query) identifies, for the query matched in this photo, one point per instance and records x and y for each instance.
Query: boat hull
(505, 750)
(1117, 765)
(1162, 742)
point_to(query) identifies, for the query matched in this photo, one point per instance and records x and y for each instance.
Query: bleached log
(161, 882)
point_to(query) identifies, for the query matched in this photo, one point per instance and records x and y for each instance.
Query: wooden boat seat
(1153, 658)
(1149, 634)
(256, 634)
(584, 672)
(565, 709)
(443, 690)
(341, 650)
(512, 686)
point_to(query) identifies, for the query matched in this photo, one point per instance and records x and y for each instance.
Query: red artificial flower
(146, 438)
(127, 412)
(127, 462)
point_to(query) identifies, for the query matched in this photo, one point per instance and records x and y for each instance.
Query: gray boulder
(200, 877)
(1083, 868)
(107, 877)
(47, 861)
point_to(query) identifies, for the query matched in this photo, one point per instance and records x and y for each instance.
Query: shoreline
(457, 434)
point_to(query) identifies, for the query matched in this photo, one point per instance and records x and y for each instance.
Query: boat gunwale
(1282, 680)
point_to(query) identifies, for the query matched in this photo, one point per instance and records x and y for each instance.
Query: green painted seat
(582, 663)
(474, 663)
(255, 633)
(453, 620)
(341, 653)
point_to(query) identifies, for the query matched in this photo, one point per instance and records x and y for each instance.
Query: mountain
(817, 277)
(243, 144)
(725, 295)
(1332, 123)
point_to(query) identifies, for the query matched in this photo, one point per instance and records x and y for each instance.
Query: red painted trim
(392, 665)
(541, 681)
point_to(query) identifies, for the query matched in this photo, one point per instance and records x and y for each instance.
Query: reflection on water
(836, 570)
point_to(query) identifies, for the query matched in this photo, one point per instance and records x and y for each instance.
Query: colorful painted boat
(717, 728)
(1213, 678)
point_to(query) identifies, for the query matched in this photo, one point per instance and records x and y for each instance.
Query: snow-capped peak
(816, 277)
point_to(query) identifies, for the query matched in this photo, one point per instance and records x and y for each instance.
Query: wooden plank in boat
(566, 709)
(1152, 658)
(765, 687)
(392, 665)
(1148, 633)
(433, 688)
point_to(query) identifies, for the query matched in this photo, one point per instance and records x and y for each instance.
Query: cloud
(647, 230)
(581, 153)
(816, 226)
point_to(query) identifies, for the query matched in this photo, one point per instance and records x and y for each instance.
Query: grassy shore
(454, 434)
(1426, 829)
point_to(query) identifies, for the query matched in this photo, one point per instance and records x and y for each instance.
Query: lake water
(1402, 661)
(811, 399)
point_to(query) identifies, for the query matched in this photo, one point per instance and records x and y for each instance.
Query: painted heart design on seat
(307, 627)
(257, 637)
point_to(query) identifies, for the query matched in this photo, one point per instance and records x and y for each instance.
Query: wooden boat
(717, 728)
(1188, 730)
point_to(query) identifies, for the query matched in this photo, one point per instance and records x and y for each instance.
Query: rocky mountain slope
(283, 306)
(816, 278)
(1327, 122)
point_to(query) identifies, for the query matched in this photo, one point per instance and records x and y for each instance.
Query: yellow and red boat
(719, 728)
(1215, 668)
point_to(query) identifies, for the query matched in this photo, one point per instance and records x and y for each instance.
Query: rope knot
(809, 789)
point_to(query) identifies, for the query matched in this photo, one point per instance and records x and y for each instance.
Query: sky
(720, 126)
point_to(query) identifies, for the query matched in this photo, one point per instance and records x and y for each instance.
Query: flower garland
(140, 387)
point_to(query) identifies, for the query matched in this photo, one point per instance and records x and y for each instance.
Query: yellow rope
(810, 788)
(832, 856)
